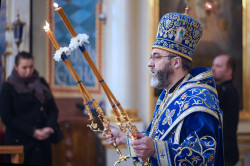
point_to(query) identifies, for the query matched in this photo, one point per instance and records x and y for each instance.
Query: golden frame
(245, 112)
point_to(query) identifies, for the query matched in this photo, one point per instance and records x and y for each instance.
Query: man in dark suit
(223, 70)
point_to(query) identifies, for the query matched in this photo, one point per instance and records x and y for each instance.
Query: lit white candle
(65, 20)
(51, 36)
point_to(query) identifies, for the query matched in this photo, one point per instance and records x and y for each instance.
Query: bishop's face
(161, 69)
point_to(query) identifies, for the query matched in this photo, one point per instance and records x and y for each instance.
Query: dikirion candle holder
(62, 53)
(74, 43)
(122, 118)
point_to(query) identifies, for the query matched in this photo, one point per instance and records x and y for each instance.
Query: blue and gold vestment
(189, 130)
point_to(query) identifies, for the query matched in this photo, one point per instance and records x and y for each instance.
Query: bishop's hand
(116, 137)
(143, 146)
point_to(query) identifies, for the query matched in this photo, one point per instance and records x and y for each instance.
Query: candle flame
(55, 5)
(46, 27)
(209, 6)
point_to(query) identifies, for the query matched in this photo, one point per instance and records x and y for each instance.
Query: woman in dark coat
(28, 111)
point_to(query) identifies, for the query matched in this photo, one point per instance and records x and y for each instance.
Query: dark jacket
(21, 114)
(229, 103)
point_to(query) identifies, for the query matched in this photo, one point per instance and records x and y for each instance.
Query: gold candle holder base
(121, 157)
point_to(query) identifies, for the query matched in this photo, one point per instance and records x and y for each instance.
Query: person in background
(28, 111)
(223, 70)
(186, 128)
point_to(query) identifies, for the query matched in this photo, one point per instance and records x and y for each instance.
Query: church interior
(114, 64)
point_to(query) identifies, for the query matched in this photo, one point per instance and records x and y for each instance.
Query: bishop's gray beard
(162, 78)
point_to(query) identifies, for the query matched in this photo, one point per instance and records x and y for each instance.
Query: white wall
(144, 52)
(126, 53)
